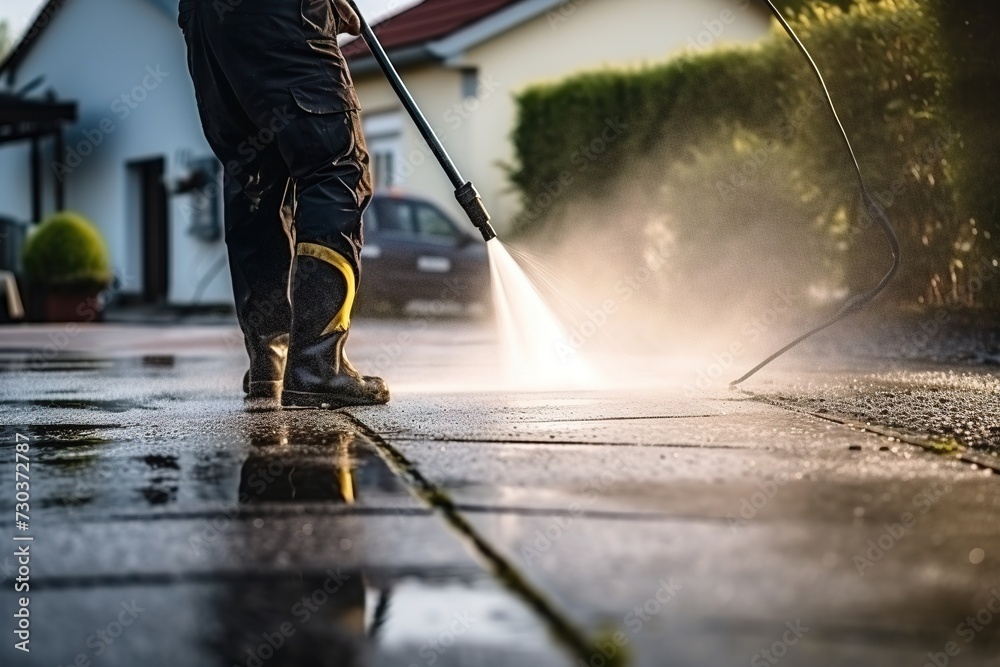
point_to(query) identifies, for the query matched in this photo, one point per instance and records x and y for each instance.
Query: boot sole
(298, 399)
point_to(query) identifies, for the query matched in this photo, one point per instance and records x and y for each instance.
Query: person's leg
(286, 70)
(260, 257)
(333, 186)
(258, 212)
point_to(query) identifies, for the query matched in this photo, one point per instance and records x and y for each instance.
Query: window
(470, 82)
(383, 168)
(433, 226)
(384, 135)
(394, 217)
(371, 218)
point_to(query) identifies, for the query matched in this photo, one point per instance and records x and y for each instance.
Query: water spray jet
(538, 352)
(535, 341)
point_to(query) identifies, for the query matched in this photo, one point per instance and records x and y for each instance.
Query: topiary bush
(67, 253)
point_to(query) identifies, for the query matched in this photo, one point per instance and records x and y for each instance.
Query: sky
(18, 13)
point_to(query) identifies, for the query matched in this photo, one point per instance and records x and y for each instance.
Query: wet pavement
(796, 522)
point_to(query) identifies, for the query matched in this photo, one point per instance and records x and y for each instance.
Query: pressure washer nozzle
(470, 201)
(488, 232)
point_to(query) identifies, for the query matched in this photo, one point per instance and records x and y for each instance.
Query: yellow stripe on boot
(342, 320)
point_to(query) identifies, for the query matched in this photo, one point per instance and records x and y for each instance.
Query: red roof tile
(431, 19)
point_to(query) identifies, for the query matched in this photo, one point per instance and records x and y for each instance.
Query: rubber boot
(317, 373)
(267, 367)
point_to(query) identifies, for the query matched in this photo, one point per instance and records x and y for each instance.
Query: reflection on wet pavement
(263, 538)
(230, 536)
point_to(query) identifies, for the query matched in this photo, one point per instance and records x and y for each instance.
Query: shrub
(67, 252)
(561, 134)
(690, 120)
(969, 31)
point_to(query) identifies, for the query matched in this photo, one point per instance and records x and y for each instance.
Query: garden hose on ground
(873, 208)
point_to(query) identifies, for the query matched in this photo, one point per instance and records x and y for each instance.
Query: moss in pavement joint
(561, 627)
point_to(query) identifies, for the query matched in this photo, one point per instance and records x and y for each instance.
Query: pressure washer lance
(465, 192)
(872, 207)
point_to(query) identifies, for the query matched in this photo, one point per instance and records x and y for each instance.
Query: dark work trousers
(279, 110)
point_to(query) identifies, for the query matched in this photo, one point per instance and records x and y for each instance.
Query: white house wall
(94, 52)
(581, 35)
(436, 90)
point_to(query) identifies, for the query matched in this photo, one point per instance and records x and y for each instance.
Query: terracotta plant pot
(73, 306)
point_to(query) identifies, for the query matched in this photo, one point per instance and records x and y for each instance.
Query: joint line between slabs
(964, 455)
(572, 638)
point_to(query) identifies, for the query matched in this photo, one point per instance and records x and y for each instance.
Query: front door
(150, 195)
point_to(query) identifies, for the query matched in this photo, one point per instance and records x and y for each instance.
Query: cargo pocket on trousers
(313, 99)
(328, 87)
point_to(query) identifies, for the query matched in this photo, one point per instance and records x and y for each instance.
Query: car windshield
(401, 217)
(394, 217)
(432, 225)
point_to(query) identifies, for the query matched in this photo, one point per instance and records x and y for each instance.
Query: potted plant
(66, 259)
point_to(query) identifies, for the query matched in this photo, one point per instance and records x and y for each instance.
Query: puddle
(288, 462)
(488, 616)
(282, 466)
(345, 618)
(299, 465)
(353, 619)
(45, 361)
(114, 406)
(159, 361)
(56, 435)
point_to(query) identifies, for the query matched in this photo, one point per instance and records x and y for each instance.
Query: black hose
(872, 207)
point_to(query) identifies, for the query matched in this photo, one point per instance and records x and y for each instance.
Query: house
(136, 139)
(464, 61)
(136, 135)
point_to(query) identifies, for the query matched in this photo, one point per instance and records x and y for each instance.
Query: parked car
(416, 251)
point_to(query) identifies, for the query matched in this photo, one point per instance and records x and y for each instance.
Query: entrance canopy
(23, 119)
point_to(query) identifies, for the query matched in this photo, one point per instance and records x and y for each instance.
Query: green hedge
(562, 139)
(709, 131)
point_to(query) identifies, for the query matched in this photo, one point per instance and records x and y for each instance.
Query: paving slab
(662, 526)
